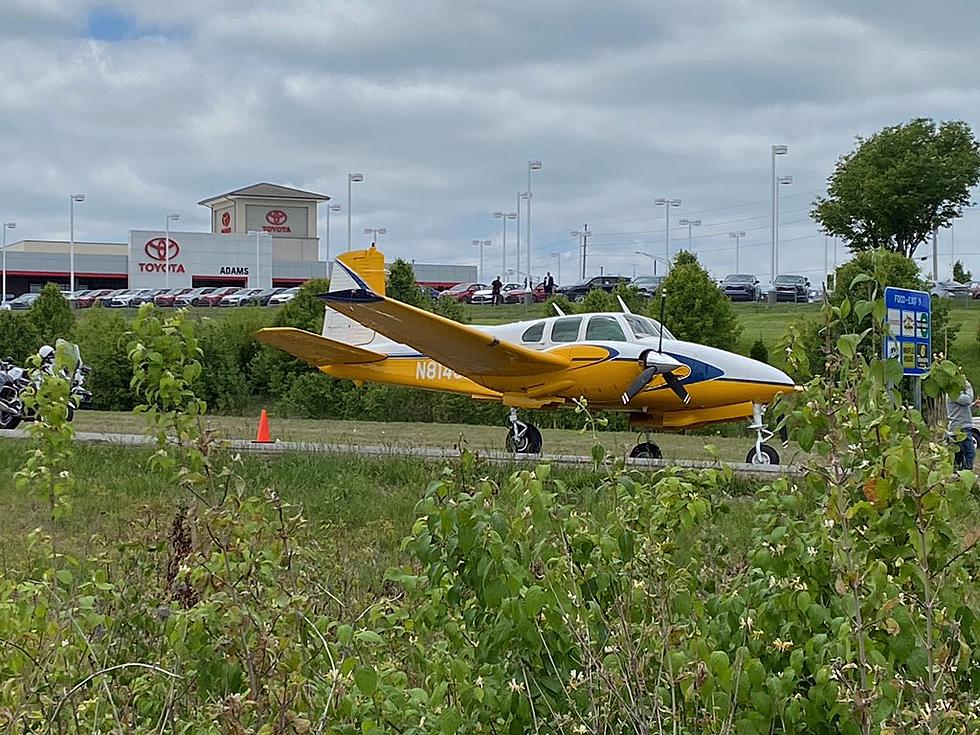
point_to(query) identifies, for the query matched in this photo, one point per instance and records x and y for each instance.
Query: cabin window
(533, 333)
(605, 328)
(565, 330)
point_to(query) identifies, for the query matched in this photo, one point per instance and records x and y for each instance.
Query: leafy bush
(50, 317)
(102, 336)
(696, 310)
(759, 351)
(450, 308)
(16, 337)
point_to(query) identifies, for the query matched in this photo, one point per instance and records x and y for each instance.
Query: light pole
(351, 178)
(780, 181)
(503, 217)
(521, 195)
(173, 217)
(667, 204)
(690, 223)
(72, 198)
(583, 244)
(481, 244)
(557, 257)
(330, 208)
(776, 150)
(738, 239)
(531, 166)
(6, 226)
(375, 233)
(256, 233)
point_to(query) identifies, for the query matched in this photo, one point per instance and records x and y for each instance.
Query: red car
(167, 297)
(463, 292)
(517, 295)
(86, 300)
(213, 298)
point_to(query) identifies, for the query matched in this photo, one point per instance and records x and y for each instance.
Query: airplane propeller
(656, 364)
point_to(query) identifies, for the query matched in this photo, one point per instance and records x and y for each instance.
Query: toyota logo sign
(225, 218)
(275, 217)
(157, 249)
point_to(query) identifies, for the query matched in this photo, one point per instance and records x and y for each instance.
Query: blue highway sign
(909, 338)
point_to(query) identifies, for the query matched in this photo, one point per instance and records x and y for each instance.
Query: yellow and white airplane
(616, 361)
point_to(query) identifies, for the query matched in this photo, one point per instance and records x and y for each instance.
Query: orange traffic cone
(262, 435)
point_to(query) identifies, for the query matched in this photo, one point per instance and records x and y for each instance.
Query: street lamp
(375, 233)
(531, 166)
(166, 249)
(330, 208)
(72, 198)
(503, 217)
(738, 239)
(583, 245)
(776, 150)
(481, 244)
(780, 181)
(690, 223)
(521, 195)
(351, 178)
(667, 204)
(557, 257)
(6, 226)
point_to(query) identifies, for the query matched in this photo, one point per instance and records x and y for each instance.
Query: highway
(425, 453)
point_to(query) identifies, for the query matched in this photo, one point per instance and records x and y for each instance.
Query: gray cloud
(440, 104)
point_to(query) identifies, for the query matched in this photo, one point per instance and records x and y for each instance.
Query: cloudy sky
(148, 107)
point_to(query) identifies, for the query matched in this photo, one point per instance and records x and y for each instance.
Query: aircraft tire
(528, 440)
(767, 455)
(646, 450)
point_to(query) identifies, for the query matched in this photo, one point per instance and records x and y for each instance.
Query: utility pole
(935, 255)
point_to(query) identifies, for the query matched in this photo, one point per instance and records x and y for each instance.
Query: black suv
(577, 291)
(741, 287)
(792, 288)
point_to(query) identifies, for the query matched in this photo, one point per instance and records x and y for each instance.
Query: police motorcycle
(16, 382)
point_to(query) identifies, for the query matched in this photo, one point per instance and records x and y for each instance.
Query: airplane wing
(314, 349)
(465, 349)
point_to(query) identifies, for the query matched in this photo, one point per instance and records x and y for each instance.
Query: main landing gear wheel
(646, 450)
(8, 420)
(523, 438)
(763, 454)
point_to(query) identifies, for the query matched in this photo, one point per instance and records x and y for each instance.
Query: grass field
(475, 438)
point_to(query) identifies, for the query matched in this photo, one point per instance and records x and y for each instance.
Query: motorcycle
(16, 382)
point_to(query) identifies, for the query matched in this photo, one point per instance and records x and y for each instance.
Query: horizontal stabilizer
(314, 349)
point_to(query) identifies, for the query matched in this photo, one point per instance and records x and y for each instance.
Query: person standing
(549, 285)
(960, 416)
(495, 286)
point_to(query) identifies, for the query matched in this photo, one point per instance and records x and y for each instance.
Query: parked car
(86, 299)
(240, 298)
(127, 298)
(102, 300)
(577, 291)
(741, 287)
(147, 296)
(283, 297)
(214, 298)
(485, 295)
(188, 298)
(167, 296)
(792, 288)
(647, 285)
(429, 293)
(262, 298)
(517, 295)
(23, 301)
(463, 292)
(952, 289)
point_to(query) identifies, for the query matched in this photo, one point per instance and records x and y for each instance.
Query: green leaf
(64, 576)
(366, 679)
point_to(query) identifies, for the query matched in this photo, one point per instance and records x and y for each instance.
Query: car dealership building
(262, 235)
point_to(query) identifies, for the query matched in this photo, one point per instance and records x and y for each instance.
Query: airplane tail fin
(354, 270)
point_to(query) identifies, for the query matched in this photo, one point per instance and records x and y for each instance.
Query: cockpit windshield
(644, 327)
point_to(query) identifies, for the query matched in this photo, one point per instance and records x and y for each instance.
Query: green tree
(960, 275)
(102, 337)
(597, 300)
(696, 310)
(50, 317)
(16, 338)
(899, 185)
(759, 351)
(402, 285)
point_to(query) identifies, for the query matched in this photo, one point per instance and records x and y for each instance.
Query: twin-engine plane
(616, 361)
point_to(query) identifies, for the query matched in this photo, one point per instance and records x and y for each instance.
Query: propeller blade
(674, 383)
(639, 383)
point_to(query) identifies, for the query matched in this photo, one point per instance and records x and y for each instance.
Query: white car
(485, 295)
(284, 297)
(240, 298)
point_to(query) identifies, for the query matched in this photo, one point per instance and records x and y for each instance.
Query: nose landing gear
(761, 453)
(646, 449)
(522, 438)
